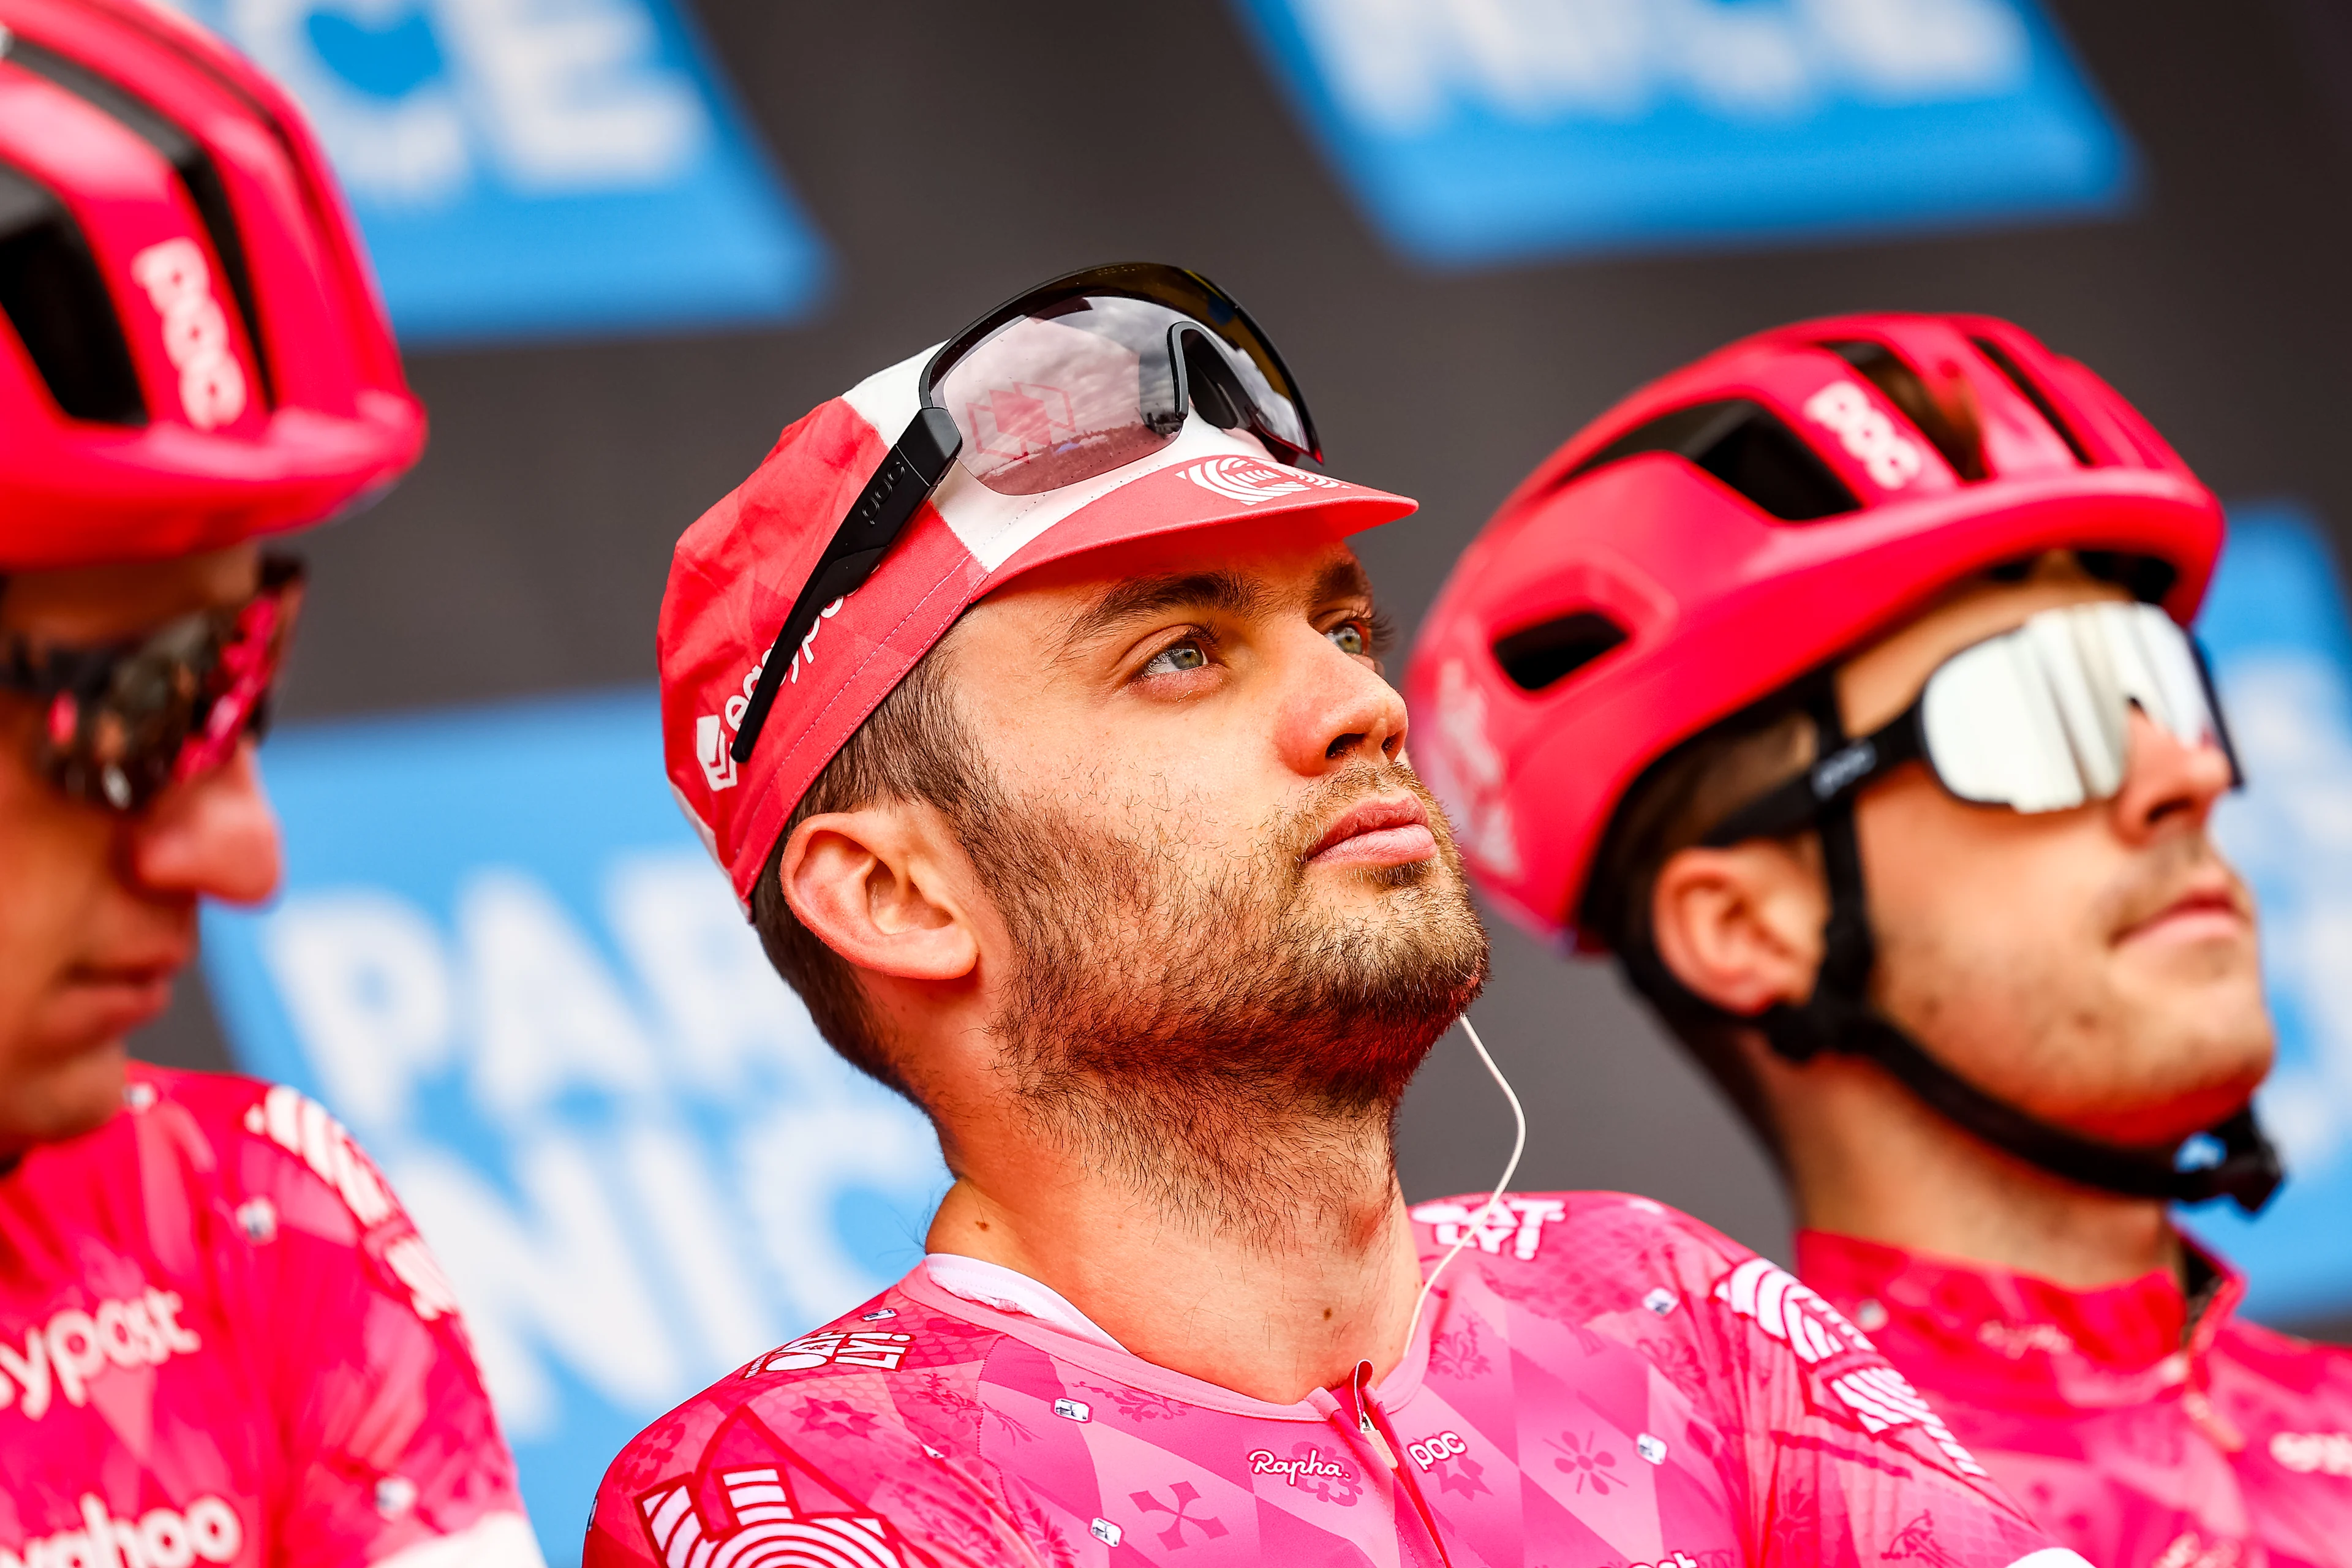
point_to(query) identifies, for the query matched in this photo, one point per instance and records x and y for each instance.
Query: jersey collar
(1973, 1311)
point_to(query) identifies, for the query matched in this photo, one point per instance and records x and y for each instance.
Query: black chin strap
(1839, 1017)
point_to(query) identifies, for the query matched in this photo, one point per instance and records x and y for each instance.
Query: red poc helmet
(191, 352)
(1742, 523)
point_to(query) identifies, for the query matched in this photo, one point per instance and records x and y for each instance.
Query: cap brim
(1204, 494)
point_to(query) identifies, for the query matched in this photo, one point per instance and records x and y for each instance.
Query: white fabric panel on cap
(995, 528)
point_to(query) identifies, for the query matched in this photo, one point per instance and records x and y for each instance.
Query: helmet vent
(1949, 420)
(53, 294)
(2033, 393)
(1746, 446)
(199, 176)
(1547, 653)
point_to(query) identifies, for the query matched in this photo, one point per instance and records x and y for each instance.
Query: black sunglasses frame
(919, 461)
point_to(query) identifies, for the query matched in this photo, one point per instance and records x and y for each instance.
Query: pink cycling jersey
(2137, 1435)
(1599, 1381)
(221, 1343)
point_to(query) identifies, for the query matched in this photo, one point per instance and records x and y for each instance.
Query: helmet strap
(1838, 1016)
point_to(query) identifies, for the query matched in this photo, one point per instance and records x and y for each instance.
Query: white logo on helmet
(1250, 481)
(195, 330)
(1891, 459)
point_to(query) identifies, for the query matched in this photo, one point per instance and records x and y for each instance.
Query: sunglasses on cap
(1053, 388)
(120, 725)
(2035, 719)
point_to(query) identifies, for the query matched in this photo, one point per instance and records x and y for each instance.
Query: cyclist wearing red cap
(1028, 694)
(1838, 685)
(221, 1341)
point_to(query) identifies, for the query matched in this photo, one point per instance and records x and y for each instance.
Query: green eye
(1349, 638)
(1176, 659)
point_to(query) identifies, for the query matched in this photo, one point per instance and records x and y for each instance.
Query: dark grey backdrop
(952, 154)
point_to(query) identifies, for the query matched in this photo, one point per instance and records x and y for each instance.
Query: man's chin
(63, 1096)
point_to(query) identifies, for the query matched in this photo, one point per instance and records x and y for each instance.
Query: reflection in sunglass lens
(1044, 403)
(123, 725)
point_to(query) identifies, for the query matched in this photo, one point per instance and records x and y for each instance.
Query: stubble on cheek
(2052, 1012)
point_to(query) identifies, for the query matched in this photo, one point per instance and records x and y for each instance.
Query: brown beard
(1209, 1038)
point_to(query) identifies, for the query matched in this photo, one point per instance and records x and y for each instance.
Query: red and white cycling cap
(737, 569)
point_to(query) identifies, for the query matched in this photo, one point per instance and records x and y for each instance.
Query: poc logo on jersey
(196, 332)
(75, 1348)
(1891, 459)
(208, 1531)
(1436, 1448)
(1875, 1394)
(1250, 481)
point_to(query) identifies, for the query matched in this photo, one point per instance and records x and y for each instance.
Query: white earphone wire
(1510, 1169)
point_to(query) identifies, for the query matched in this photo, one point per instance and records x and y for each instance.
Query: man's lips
(122, 995)
(1391, 831)
(2202, 914)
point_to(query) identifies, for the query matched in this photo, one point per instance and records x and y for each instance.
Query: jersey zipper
(1372, 1426)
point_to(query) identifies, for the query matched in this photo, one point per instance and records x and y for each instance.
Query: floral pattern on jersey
(1519, 1440)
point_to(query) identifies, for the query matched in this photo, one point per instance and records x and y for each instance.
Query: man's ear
(886, 887)
(1740, 927)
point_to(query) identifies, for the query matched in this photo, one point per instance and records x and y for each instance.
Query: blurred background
(625, 241)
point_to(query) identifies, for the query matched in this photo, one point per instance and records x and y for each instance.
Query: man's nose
(1340, 709)
(214, 836)
(2169, 780)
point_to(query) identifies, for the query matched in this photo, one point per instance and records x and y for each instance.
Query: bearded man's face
(1231, 901)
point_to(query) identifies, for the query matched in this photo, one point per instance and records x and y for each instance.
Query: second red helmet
(191, 352)
(1740, 523)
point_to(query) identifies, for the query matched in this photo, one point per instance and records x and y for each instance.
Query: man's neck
(1867, 1160)
(1321, 1277)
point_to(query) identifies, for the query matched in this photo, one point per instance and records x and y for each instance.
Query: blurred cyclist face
(98, 913)
(2097, 966)
(1221, 877)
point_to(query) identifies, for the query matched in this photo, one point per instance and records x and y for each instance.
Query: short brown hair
(1669, 809)
(914, 747)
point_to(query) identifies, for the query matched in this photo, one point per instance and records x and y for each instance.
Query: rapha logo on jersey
(770, 1526)
(1250, 481)
(1874, 1393)
(835, 1348)
(195, 330)
(206, 1531)
(75, 1348)
(1518, 1221)
(1309, 1463)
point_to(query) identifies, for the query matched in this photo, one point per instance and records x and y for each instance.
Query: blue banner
(535, 167)
(1480, 130)
(2281, 641)
(504, 960)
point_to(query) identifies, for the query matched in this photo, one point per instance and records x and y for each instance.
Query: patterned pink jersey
(1599, 1382)
(2140, 1438)
(221, 1343)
